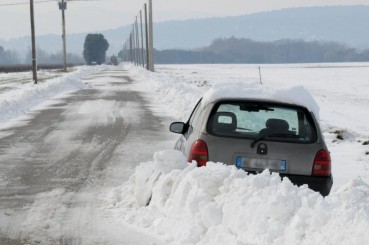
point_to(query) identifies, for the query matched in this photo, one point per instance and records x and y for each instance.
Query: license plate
(257, 163)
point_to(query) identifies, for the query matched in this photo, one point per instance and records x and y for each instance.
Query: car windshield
(262, 121)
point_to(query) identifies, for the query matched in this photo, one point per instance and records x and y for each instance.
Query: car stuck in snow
(257, 129)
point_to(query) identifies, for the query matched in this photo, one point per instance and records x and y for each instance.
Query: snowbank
(220, 204)
(17, 102)
(178, 97)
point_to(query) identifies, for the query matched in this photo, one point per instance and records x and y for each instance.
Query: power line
(24, 3)
(43, 1)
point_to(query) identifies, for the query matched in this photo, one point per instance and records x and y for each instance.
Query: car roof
(296, 95)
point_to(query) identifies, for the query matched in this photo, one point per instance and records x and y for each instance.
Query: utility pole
(134, 43)
(138, 44)
(131, 47)
(142, 44)
(136, 39)
(34, 63)
(151, 38)
(124, 51)
(147, 39)
(63, 7)
(260, 75)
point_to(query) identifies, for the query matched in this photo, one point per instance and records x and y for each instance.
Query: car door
(189, 129)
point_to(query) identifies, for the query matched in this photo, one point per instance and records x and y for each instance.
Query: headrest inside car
(279, 124)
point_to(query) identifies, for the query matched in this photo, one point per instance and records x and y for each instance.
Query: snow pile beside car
(220, 204)
(179, 97)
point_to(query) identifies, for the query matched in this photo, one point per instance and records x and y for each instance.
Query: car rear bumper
(323, 185)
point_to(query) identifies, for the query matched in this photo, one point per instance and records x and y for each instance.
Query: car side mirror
(177, 127)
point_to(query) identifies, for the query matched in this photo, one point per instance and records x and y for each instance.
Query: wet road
(54, 164)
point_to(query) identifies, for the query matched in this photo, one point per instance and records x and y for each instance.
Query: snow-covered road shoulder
(20, 99)
(220, 204)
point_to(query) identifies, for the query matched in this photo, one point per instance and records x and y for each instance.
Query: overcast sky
(92, 16)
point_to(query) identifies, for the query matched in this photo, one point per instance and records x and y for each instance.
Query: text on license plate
(272, 164)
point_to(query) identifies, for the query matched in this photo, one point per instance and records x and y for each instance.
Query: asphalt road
(73, 149)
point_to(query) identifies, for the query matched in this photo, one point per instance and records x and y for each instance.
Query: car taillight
(199, 153)
(322, 164)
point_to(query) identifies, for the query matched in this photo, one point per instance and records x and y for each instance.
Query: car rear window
(254, 119)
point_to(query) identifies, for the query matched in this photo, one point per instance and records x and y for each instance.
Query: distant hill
(245, 51)
(344, 24)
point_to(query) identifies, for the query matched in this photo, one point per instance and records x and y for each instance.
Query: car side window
(194, 114)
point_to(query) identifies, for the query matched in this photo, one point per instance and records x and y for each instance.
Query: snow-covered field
(220, 204)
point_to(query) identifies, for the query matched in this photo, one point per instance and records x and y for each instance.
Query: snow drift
(179, 97)
(17, 102)
(220, 204)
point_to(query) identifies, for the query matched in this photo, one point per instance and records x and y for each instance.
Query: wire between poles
(44, 1)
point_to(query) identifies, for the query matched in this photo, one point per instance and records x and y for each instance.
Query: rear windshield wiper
(287, 135)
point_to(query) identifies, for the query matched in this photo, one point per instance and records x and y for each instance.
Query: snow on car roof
(297, 95)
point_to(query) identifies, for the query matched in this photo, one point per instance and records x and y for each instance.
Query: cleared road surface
(57, 162)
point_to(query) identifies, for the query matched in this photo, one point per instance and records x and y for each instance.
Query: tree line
(8, 57)
(241, 50)
(44, 57)
(95, 48)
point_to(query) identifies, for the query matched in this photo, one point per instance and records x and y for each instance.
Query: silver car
(258, 134)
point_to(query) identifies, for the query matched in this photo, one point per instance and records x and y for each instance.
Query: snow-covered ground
(18, 94)
(220, 204)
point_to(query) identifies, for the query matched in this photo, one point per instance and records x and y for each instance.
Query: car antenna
(260, 76)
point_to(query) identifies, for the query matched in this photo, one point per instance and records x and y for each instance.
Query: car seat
(275, 126)
(224, 123)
